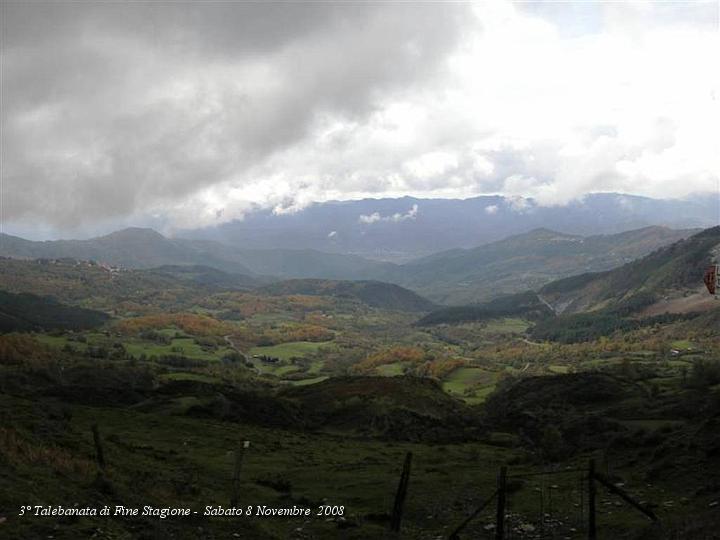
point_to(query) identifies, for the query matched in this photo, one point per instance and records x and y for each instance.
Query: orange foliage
(440, 368)
(18, 349)
(286, 333)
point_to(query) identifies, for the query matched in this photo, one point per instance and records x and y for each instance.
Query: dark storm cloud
(110, 109)
(188, 113)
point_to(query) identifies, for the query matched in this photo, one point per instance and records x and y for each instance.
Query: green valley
(333, 382)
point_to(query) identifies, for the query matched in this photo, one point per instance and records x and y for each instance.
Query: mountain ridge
(406, 228)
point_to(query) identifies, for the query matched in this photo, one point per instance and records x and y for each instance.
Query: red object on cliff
(711, 278)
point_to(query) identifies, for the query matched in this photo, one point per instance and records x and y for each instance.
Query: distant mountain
(406, 228)
(146, 248)
(372, 293)
(522, 262)
(26, 312)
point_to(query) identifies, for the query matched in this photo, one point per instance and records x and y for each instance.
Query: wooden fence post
(625, 496)
(239, 454)
(99, 456)
(500, 515)
(455, 535)
(401, 494)
(592, 530)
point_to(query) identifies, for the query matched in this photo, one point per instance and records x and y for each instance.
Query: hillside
(662, 287)
(405, 408)
(525, 261)
(670, 272)
(27, 312)
(310, 263)
(208, 276)
(373, 293)
(130, 248)
(92, 285)
(146, 248)
(526, 305)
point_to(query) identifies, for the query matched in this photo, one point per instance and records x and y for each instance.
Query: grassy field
(286, 351)
(390, 370)
(185, 376)
(304, 382)
(506, 326)
(169, 460)
(187, 347)
(559, 369)
(184, 346)
(473, 384)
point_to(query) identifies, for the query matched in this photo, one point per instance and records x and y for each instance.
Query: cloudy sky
(181, 114)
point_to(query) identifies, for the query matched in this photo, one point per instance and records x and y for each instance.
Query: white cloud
(491, 209)
(370, 218)
(397, 217)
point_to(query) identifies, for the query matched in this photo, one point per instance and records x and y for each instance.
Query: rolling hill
(27, 312)
(459, 276)
(208, 276)
(527, 305)
(89, 284)
(146, 248)
(130, 248)
(373, 293)
(404, 408)
(670, 272)
(525, 261)
(663, 286)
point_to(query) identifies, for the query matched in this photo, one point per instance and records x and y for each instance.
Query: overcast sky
(184, 114)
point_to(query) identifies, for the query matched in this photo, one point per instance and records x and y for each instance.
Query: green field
(477, 382)
(186, 376)
(178, 346)
(164, 459)
(390, 370)
(304, 382)
(559, 369)
(506, 326)
(286, 351)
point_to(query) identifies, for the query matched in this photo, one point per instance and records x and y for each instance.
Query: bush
(704, 373)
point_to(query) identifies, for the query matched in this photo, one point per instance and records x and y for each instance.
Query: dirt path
(236, 348)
